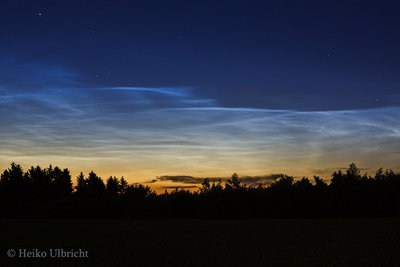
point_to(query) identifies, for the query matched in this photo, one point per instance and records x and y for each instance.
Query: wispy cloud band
(145, 132)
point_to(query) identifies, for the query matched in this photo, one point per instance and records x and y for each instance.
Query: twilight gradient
(48, 116)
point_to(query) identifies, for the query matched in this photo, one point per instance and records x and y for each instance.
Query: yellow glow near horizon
(140, 171)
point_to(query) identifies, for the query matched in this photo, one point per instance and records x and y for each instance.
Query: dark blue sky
(305, 55)
(200, 88)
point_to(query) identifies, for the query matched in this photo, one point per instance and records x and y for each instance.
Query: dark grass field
(290, 242)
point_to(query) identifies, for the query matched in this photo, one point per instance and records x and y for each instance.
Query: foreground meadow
(291, 242)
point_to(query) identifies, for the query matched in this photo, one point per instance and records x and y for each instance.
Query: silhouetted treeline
(48, 192)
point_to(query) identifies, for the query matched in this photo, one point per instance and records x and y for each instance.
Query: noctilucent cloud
(200, 89)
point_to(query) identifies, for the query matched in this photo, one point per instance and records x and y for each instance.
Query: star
(40, 13)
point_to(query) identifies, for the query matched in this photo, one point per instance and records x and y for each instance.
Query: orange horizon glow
(144, 176)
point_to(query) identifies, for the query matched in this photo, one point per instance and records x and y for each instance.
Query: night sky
(200, 88)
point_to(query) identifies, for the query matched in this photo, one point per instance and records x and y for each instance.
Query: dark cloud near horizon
(180, 187)
(260, 180)
(248, 180)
